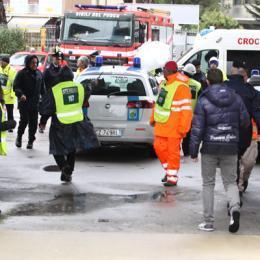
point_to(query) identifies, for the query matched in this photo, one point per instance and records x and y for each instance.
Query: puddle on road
(70, 203)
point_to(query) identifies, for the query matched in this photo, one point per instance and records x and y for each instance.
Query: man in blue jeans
(219, 115)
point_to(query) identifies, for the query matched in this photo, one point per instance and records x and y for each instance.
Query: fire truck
(111, 31)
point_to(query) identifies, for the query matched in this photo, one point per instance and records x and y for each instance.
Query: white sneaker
(206, 227)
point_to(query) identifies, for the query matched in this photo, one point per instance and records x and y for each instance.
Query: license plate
(108, 132)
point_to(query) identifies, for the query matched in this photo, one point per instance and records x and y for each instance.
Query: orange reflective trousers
(168, 152)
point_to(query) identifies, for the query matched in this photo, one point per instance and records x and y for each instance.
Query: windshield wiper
(123, 93)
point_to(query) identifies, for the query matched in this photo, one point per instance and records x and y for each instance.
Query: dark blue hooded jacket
(250, 98)
(219, 115)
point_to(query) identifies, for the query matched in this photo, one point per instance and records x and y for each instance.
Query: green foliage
(217, 19)
(11, 40)
(210, 14)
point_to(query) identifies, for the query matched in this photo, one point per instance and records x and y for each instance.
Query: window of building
(31, 2)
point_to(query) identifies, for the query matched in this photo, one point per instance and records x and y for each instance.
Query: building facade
(31, 15)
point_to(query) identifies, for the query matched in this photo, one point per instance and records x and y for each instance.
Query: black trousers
(64, 160)
(186, 145)
(28, 117)
(10, 111)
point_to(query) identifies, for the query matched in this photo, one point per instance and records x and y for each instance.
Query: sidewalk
(79, 245)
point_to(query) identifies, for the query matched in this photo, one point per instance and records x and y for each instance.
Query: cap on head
(189, 69)
(213, 60)
(171, 65)
(59, 55)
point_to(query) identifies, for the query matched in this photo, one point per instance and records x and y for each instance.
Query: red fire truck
(111, 31)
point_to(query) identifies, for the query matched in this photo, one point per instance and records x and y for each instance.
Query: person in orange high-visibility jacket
(171, 119)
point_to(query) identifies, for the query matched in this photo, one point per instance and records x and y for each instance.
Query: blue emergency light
(137, 62)
(205, 31)
(255, 72)
(99, 61)
(105, 7)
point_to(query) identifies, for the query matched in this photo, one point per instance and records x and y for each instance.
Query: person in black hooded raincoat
(28, 87)
(70, 130)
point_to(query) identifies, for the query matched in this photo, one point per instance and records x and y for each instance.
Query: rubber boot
(29, 145)
(18, 141)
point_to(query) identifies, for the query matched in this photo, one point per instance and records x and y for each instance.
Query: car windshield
(18, 59)
(98, 31)
(115, 85)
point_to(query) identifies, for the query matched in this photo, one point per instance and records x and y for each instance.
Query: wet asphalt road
(113, 190)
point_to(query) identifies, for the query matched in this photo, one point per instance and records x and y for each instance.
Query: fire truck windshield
(94, 31)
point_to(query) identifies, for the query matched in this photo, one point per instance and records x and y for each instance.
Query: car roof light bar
(137, 62)
(99, 61)
(104, 7)
(255, 72)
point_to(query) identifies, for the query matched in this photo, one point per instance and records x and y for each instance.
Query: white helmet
(213, 60)
(189, 69)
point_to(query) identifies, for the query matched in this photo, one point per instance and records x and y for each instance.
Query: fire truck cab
(112, 31)
(228, 46)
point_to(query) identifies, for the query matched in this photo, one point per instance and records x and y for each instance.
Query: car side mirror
(155, 90)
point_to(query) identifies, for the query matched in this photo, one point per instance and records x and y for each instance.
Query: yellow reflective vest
(195, 87)
(7, 76)
(69, 98)
(3, 148)
(163, 104)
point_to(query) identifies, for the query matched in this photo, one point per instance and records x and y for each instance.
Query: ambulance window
(249, 58)
(194, 57)
(203, 57)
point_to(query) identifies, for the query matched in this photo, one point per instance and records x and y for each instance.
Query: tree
(11, 40)
(217, 19)
(2, 14)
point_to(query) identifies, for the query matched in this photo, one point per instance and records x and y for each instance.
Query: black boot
(29, 145)
(164, 179)
(66, 173)
(18, 141)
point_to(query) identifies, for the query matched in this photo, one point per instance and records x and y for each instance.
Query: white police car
(121, 103)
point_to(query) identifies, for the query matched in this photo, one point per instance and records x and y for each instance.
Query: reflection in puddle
(71, 203)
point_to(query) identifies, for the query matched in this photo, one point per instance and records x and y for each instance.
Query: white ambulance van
(229, 45)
